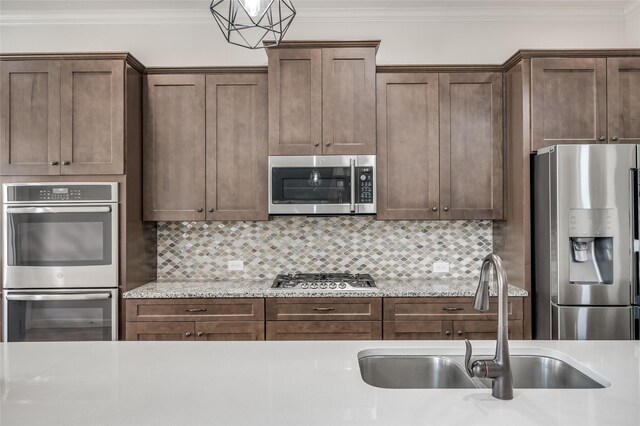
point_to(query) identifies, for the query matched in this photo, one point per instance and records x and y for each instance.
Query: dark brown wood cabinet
(447, 318)
(195, 319)
(440, 146)
(205, 147)
(623, 100)
(324, 318)
(322, 98)
(62, 117)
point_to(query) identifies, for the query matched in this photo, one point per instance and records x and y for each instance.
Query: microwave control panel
(365, 187)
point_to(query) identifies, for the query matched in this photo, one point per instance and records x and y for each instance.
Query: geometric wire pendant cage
(248, 23)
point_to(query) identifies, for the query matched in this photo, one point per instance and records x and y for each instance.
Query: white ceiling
(14, 12)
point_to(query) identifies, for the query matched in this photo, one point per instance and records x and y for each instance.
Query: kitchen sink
(417, 371)
(413, 372)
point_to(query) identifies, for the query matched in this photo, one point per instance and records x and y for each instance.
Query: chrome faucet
(497, 369)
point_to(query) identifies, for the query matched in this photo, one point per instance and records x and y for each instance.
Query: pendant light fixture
(248, 23)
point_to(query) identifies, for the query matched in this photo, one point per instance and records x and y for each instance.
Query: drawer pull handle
(447, 333)
(460, 332)
(323, 309)
(188, 334)
(196, 310)
(200, 333)
(452, 308)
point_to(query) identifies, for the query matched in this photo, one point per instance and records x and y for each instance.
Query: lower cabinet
(195, 319)
(447, 318)
(327, 318)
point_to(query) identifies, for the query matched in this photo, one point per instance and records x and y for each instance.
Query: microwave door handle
(53, 297)
(78, 209)
(352, 163)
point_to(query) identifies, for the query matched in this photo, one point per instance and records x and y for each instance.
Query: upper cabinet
(322, 98)
(62, 117)
(440, 146)
(584, 100)
(205, 147)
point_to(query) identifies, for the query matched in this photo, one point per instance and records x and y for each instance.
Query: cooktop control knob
(342, 285)
(332, 285)
(304, 285)
(314, 285)
(323, 285)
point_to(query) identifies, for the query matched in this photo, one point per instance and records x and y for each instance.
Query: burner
(330, 282)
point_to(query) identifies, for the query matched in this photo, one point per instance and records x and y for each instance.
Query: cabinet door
(92, 117)
(30, 114)
(166, 331)
(174, 147)
(623, 100)
(349, 101)
(471, 146)
(237, 153)
(295, 101)
(324, 330)
(225, 331)
(485, 330)
(417, 330)
(568, 101)
(408, 158)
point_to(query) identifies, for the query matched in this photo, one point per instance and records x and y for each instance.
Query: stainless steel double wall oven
(60, 261)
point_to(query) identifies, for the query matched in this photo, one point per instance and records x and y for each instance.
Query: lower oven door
(61, 315)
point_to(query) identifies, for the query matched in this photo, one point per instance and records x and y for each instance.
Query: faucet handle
(467, 357)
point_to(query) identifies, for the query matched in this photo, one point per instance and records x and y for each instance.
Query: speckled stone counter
(427, 287)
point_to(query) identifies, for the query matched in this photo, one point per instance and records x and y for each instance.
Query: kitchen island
(292, 383)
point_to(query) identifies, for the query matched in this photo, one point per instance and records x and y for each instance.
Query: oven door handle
(78, 209)
(52, 297)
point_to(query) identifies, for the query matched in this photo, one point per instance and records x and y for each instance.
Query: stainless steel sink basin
(413, 372)
(542, 372)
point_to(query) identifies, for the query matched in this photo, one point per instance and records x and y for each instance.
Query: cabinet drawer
(161, 331)
(326, 309)
(229, 330)
(484, 330)
(195, 309)
(417, 330)
(324, 330)
(445, 308)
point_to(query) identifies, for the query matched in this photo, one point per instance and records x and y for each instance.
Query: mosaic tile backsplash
(289, 244)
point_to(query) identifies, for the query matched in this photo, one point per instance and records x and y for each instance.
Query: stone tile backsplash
(289, 244)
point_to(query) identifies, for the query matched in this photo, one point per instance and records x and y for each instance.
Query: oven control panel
(60, 192)
(365, 187)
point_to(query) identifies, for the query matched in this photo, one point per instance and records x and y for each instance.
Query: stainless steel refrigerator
(585, 216)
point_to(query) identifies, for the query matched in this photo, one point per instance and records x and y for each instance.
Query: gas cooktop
(331, 282)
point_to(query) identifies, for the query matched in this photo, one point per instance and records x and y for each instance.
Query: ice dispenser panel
(590, 242)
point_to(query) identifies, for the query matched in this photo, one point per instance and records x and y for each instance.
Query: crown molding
(123, 56)
(311, 44)
(28, 12)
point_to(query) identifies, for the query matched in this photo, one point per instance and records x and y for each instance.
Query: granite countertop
(294, 383)
(418, 287)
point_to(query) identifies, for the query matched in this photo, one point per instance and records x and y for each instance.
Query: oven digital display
(60, 190)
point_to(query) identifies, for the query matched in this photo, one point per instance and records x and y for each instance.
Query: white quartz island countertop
(290, 383)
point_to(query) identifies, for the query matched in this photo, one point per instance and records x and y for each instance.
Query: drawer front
(445, 308)
(325, 309)
(417, 330)
(485, 330)
(324, 330)
(195, 309)
(229, 330)
(160, 331)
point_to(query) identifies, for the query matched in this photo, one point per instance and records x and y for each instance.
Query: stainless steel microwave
(322, 184)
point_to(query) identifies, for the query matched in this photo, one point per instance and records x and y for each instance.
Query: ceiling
(14, 12)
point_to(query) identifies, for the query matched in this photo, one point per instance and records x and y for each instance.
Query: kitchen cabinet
(205, 147)
(195, 319)
(322, 98)
(62, 117)
(446, 318)
(440, 146)
(584, 100)
(324, 318)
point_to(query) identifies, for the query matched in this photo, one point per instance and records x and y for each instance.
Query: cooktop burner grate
(330, 281)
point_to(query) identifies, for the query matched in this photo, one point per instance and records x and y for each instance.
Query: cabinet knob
(435, 209)
(210, 210)
(460, 332)
(445, 208)
(200, 334)
(327, 143)
(614, 138)
(316, 143)
(447, 333)
(188, 334)
(200, 209)
(55, 163)
(66, 163)
(602, 139)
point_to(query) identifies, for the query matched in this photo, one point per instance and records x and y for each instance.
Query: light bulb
(252, 7)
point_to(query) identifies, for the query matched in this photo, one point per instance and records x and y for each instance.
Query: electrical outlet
(441, 267)
(235, 265)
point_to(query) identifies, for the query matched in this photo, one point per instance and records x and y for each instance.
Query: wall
(456, 34)
(356, 244)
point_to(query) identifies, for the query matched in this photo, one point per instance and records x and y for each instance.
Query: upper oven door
(57, 246)
(319, 184)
